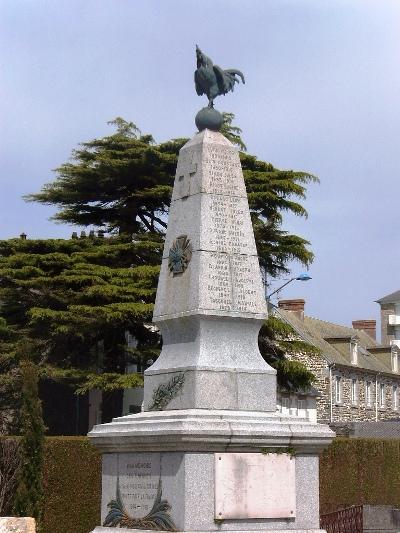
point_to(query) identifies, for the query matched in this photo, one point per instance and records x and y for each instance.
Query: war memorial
(209, 452)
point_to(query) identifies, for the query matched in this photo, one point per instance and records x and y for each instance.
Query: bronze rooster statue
(212, 80)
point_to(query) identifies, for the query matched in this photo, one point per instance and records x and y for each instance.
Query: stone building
(356, 377)
(390, 319)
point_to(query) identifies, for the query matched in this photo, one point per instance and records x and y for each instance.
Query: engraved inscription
(232, 283)
(139, 484)
(243, 282)
(219, 283)
(138, 502)
(222, 171)
(229, 225)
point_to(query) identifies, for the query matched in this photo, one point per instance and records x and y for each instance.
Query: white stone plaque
(254, 485)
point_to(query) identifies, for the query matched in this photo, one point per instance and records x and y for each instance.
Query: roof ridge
(388, 297)
(328, 322)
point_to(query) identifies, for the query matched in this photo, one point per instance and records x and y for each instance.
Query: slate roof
(337, 351)
(390, 298)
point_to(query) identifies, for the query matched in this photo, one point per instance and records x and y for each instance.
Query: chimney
(295, 306)
(367, 326)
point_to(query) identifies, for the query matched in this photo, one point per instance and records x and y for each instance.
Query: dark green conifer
(29, 495)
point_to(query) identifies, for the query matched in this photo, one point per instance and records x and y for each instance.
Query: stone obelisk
(209, 452)
(210, 301)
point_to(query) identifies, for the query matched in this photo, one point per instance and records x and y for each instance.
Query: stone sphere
(209, 118)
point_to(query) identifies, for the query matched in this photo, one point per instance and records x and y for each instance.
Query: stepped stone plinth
(209, 452)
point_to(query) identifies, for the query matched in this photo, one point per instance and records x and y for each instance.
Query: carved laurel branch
(166, 392)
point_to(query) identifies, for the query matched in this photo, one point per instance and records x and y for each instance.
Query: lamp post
(301, 277)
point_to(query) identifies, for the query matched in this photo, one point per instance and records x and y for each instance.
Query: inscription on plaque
(254, 485)
(138, 481)
(138, 501)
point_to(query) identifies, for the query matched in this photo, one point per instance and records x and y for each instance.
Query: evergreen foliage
(277, 340)
(74, 300)
(29, 494)
(122, 182)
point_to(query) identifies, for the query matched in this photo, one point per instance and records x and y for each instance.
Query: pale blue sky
(322, 95)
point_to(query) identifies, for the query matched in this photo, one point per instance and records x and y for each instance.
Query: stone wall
(318, 366)
(387, 332)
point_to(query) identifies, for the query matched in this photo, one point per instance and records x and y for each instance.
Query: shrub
(72, 485)
(29, 495)
(10, 464)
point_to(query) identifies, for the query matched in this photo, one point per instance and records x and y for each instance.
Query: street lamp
(301, 277)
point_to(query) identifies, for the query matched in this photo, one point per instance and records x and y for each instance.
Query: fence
(349, 520)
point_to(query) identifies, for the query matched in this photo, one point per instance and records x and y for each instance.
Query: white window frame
(382, 395)
(338, 389)
(354, 392)
(395, 398)
(395, 360)
(354, 352)
(368, 393)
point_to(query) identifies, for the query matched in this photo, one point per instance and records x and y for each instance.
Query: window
(338, 389)
(354, 353)
(395, 360)
(354, 391)
(285, 404)
(395, 402)
(382, 395)
(368, 387)
(301, 404)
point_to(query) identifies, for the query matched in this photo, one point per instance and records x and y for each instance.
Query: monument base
(199, 470)
(118, 530)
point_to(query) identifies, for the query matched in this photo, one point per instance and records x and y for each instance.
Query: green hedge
(352, 471)
(72, 485)
(360, 471)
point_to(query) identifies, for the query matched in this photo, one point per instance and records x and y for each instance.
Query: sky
(321, 95)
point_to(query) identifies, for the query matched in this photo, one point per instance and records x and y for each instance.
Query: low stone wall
(365, 430)
(10, 524)
(380, 519)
